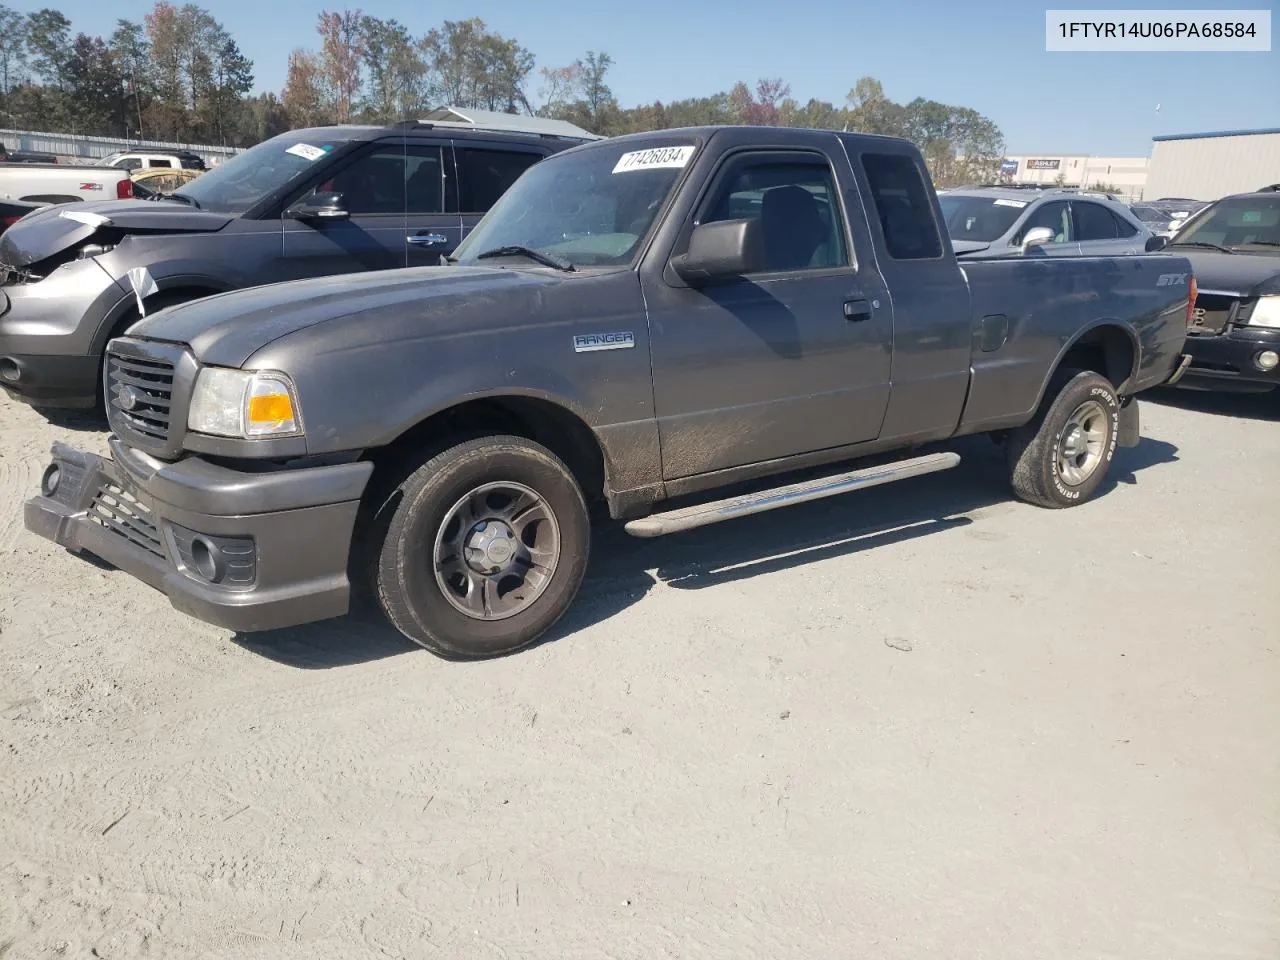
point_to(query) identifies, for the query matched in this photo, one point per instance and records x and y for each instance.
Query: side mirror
(1036, 237)
(720, 250)
(320, 206)
(1156, 242)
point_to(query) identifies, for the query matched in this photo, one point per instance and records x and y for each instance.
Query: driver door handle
(427, 239)
(857, 310)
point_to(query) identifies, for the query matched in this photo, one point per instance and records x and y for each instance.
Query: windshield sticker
(82, 216)
(1251, 216)
(1012, 203)
(650, 159)
(306, 151)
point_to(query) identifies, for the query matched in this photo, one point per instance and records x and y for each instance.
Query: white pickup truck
(63, 183)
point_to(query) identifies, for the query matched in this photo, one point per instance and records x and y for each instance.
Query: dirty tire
(1038, 450)
(423, 507)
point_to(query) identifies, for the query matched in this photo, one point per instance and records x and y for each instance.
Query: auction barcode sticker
(654, 157)
(1233, 31)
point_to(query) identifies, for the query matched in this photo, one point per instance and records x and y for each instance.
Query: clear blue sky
(990, 57)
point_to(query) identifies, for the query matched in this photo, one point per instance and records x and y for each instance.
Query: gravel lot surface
(919, 721)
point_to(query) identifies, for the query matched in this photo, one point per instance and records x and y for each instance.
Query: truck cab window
(795, 202)
(903, 206)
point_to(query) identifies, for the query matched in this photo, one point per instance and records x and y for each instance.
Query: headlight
(243, 403)
(1266, 313)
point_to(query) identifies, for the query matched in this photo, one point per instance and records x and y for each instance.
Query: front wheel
(1060, 458)
(485, 550)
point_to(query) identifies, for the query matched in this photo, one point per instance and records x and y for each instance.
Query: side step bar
(703, 514)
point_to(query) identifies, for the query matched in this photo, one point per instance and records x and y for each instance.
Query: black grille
(140, 393)
(1212, 314)
(124, 514)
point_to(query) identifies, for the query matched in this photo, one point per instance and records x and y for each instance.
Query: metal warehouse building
(1206, 166)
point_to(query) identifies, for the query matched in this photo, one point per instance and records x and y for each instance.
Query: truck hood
(228, 328)
(1242, 274)
(961, 247)
(64, 226)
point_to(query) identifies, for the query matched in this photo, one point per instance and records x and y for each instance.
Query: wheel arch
(549, 422)
(1108, 347)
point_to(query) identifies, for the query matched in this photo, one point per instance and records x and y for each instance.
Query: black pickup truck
(637, 321)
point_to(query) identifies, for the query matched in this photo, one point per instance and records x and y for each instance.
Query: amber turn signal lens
(272, 408)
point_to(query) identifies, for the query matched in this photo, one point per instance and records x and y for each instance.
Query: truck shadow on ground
(79, 421)
(624, 569)
(1245, 406)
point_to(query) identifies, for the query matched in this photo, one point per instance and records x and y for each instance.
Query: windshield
(590, 208)
(246, 178)
(980, 218)
(1236, 223)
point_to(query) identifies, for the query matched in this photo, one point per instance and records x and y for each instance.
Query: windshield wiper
(1257, 243)
(1199, 243)
(182, 198)
(516, 250)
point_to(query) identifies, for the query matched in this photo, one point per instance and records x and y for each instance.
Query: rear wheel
(484, 549)
(1061, 457)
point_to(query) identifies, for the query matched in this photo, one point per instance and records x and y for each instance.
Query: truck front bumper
(1236, 360)
(247, 551)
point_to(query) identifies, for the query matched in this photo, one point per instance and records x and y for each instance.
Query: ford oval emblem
(127, 398)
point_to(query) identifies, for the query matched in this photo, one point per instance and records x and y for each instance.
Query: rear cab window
(903, 206)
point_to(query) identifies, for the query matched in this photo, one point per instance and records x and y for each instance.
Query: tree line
(180, 75)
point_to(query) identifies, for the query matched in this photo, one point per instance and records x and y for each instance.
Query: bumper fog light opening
(50, 480)
(10, 370)
(1267, 360)
(207, 560)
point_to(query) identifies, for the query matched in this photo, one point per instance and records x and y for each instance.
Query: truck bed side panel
(1027, 313)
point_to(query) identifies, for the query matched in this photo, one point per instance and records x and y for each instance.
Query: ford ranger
(638, 323)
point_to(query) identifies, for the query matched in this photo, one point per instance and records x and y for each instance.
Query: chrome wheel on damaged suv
(484, 549)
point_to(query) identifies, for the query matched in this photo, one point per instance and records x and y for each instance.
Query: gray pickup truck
(640, 323)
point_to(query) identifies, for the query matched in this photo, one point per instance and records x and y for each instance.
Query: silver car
(1011, 222)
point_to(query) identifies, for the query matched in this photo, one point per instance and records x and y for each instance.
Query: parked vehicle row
(638, 323)
(310, 203)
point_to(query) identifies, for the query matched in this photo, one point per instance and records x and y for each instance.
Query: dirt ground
(919, 721)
